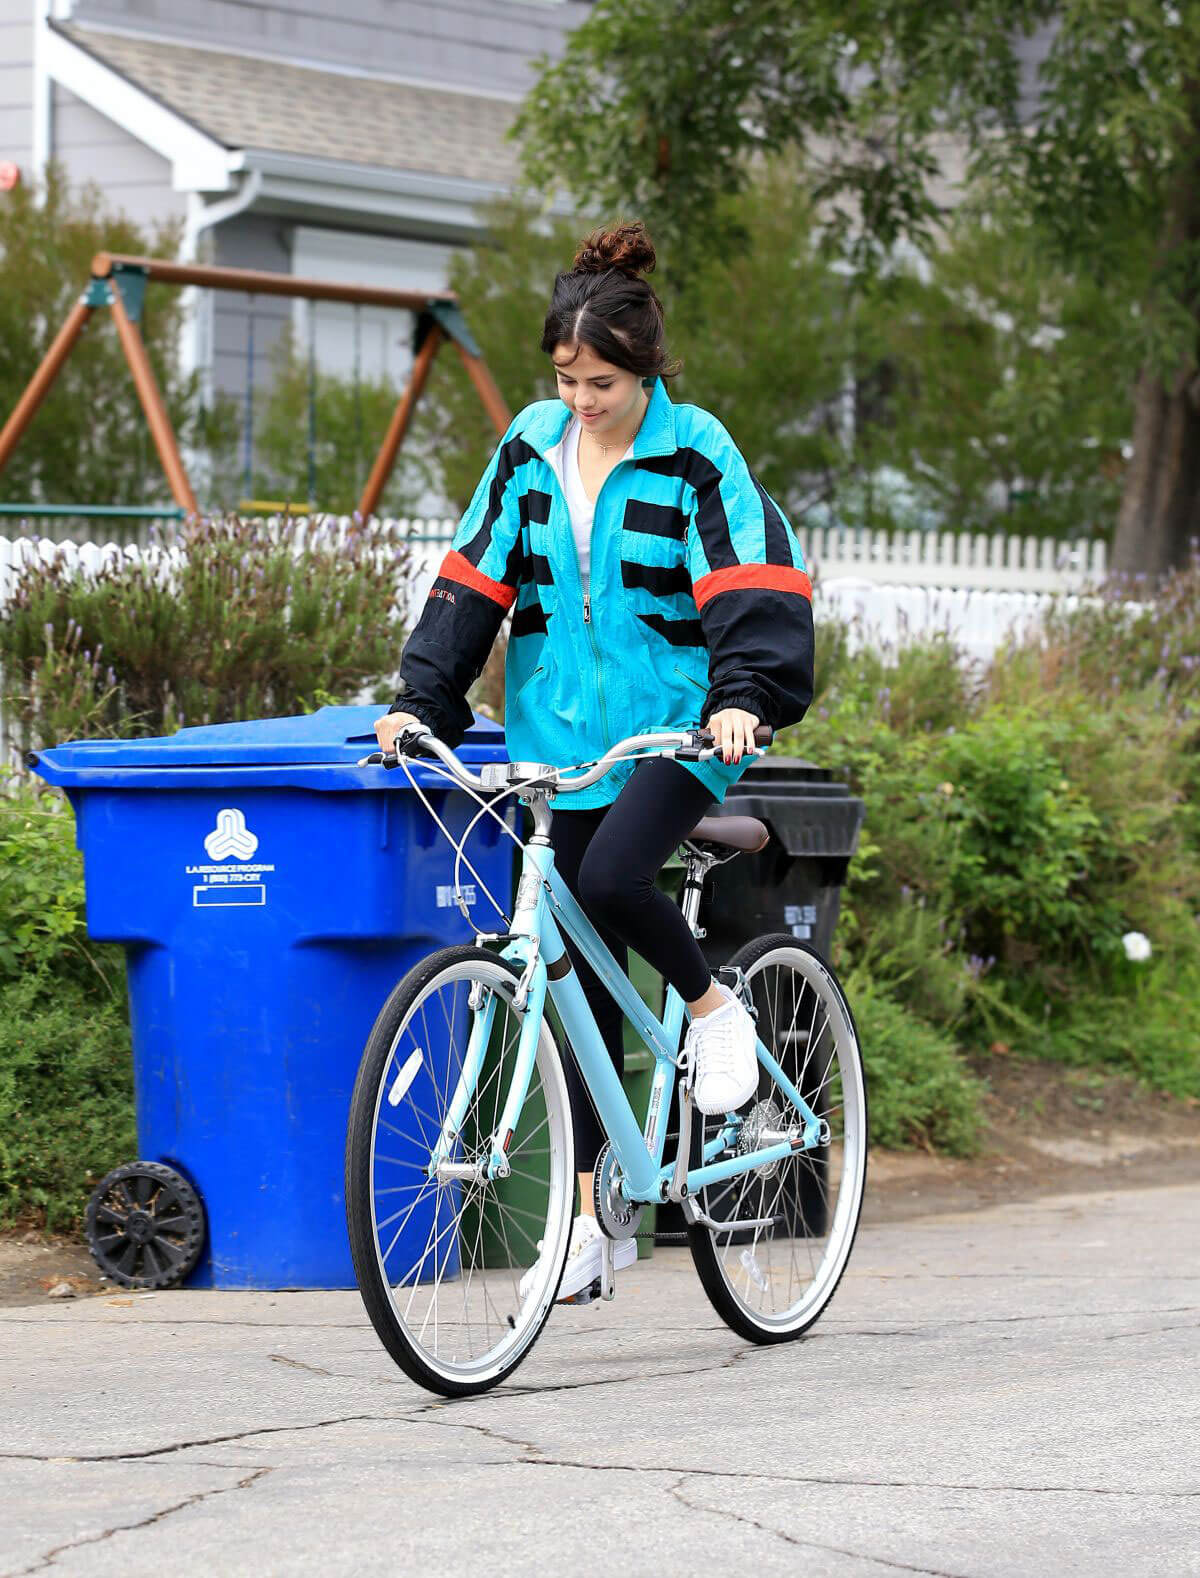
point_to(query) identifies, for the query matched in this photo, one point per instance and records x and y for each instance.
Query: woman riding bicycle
(653, 584)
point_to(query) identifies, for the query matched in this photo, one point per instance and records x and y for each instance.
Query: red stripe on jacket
(744, 577)
(457, 568)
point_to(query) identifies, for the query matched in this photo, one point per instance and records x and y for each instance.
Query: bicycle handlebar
(501, 775)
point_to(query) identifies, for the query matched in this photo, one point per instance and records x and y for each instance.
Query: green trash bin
(524, 1197)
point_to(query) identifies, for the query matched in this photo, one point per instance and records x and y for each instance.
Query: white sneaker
(723, 1045)
(584, 1259)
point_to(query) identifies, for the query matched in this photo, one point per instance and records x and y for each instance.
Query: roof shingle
(245, 102)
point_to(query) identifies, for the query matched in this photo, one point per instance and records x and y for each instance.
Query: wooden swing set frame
(119, 283)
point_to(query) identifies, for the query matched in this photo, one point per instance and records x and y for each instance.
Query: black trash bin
(792, 885)
(795, 883)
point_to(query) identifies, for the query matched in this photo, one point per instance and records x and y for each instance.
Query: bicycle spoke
(456, 1250)
(777, 1271)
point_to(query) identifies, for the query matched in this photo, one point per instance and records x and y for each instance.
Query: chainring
(618, 1217)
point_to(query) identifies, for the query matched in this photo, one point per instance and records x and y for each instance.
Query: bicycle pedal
(587, 1295)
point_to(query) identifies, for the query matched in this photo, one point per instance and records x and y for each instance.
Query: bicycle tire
(450, 965)
(712, 1266)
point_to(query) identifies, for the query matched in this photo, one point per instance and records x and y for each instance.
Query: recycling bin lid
(318, 749)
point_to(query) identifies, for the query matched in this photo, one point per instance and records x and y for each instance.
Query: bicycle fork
(529, 1001)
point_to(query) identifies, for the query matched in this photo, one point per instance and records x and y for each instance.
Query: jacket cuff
(748, 700)
(423, 713)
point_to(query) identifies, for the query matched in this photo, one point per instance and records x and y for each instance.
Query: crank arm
(608, 1278)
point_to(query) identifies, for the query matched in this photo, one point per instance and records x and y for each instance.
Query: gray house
(343, 139)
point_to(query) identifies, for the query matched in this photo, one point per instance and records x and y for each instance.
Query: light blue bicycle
(460, 1173)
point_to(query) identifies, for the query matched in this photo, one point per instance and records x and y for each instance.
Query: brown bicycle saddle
(744, 833)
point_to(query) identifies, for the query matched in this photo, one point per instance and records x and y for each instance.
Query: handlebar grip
(763, 735)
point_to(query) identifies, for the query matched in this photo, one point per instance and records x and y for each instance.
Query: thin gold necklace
(623, 447)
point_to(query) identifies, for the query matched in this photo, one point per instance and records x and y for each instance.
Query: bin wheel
(144, 1225)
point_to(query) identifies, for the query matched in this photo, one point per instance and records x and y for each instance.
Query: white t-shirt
(564, 457)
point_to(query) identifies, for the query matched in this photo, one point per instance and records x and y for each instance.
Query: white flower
(1137, 946)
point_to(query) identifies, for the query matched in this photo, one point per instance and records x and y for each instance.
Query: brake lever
(702, 747)
(411, 736)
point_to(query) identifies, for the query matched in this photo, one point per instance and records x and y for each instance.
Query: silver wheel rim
(451, 1256)
(781, 1278)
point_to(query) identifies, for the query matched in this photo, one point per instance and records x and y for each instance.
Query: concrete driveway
(1012, 1391)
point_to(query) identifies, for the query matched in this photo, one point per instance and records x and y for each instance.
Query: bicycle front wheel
(458, 1272)
(771, 1282)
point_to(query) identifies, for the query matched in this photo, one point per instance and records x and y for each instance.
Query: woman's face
(605, 398)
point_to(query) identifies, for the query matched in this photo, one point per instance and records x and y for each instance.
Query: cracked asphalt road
(1006, 1392)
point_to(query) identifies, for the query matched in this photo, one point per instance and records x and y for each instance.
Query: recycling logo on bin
(221, 886)
(800, 919)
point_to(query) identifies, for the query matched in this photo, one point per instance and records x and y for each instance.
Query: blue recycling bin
(269, 894)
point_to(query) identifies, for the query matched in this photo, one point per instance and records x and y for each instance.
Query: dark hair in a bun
(603, 302)
(626, 247)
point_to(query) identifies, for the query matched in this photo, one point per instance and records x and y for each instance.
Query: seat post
(696, 868)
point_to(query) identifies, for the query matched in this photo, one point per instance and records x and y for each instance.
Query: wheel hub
(139, 1226)
(763, 1118)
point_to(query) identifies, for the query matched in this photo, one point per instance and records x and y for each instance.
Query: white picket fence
(978, 591)
(966, 560)
(976, 623)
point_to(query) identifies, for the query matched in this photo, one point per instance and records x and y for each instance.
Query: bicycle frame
(545, 910)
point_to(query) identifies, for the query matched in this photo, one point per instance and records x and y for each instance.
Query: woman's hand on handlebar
(732, 729)
(391, 726)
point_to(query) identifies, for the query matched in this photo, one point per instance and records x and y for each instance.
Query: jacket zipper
(587, 621)
(587, 602)
(587, 617)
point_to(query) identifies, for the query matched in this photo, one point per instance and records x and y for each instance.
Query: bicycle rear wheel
(771, 1283)
(458, 1272)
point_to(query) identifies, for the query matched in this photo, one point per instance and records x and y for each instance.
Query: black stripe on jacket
(711, 520)
(512, 455)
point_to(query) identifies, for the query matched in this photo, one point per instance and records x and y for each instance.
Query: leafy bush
(229, 619)
(1020, 824)
(1148, 1026)
(66, 1097)
(920, 1092)
(43, 931)
(1022, 838)
(66, 1080)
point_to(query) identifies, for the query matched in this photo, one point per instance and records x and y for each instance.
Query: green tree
(997, 384)
(89, 442)
(504, 285)
(746, 363)
(990, 385)
(663, 107)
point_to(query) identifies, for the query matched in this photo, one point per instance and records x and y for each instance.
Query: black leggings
(609, 858)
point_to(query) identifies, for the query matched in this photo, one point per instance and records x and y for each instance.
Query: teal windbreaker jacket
(697, 599)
